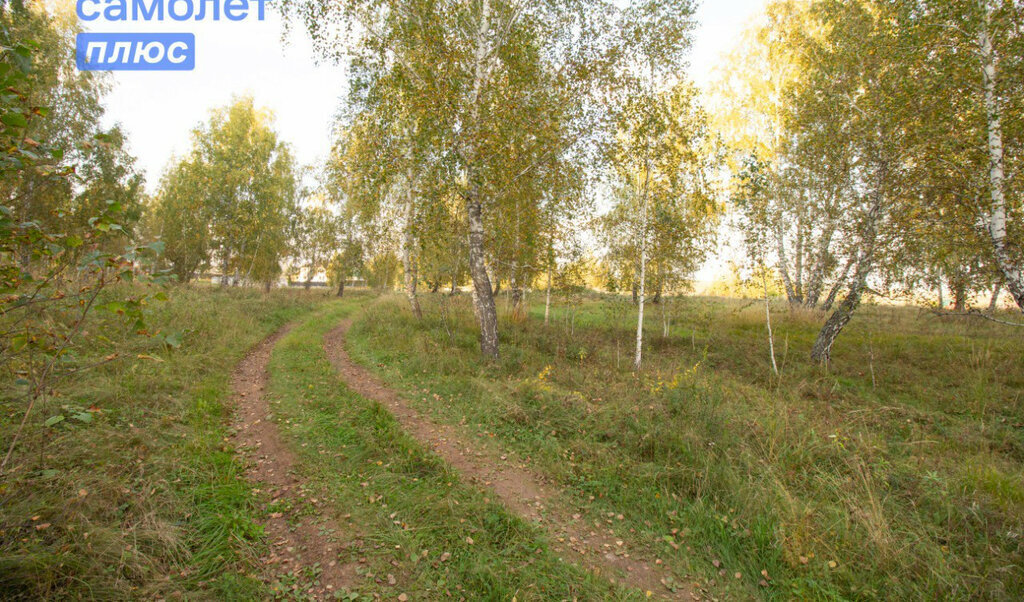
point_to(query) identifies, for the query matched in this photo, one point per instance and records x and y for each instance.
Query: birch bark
(408, 259)
(483, 299)
(1013, 274)
(638, 356)
(822, 350)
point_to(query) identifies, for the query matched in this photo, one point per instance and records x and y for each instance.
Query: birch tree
(239, 180)
(650, 125)
(1009, 261)
(479, 77)
(317, 239)
(856, 83)
(800, 200)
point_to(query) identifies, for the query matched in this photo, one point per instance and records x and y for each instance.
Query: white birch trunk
(780, 243)
(638, 357)
(798, 269)
(768, 323)
(817, 280)
(664, 318)
(821, 352)
(483, 298)
(408, 261)
(1013, 274)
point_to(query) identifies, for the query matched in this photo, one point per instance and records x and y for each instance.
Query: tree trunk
(822, 350)
(993, 303)
(224, 280)
(768, 323)
(798, 269)
(1013, 274)
(959, 290)
(838, 286)
(341, 287)
(516, 291)
(266, 286)
(636, 290)
(817, 280)
(517, 300)
(547, 298)
(483, 299)
(780, 243)
(408, 261)
(455, 282)
(487, 312)
(309, 282)
(638, 357)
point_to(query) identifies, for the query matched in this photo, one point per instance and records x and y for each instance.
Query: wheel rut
(523, 491)
(303, 534)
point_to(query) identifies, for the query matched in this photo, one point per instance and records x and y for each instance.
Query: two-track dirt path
(296, 542)
(585, 541)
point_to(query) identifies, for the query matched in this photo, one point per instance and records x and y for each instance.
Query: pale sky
(159, 109)
(719, 24)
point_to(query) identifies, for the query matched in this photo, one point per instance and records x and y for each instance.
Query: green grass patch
(895, 474)
(410, 515)
(135, 493)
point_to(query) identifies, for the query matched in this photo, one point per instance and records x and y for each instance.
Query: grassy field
(896, 474)
(134, 494)
(415, 528)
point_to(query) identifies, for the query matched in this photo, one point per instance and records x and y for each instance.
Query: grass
(408, 514)
(898, 473)
(135, 495)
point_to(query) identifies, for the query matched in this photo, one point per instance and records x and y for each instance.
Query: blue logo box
(135, 51)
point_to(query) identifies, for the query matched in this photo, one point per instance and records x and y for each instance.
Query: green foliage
(66, 165)
(317, 237)
(15, 67)
(55, 269)
(863, 148)
(231, 201)
(475, 122)
(382, 270)
(347, 261)
(664, 203)
(181, 217)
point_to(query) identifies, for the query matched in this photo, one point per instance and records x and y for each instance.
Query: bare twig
(973, 313)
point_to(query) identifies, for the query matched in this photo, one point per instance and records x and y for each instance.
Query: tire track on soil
(521, 490)
(296, 542)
